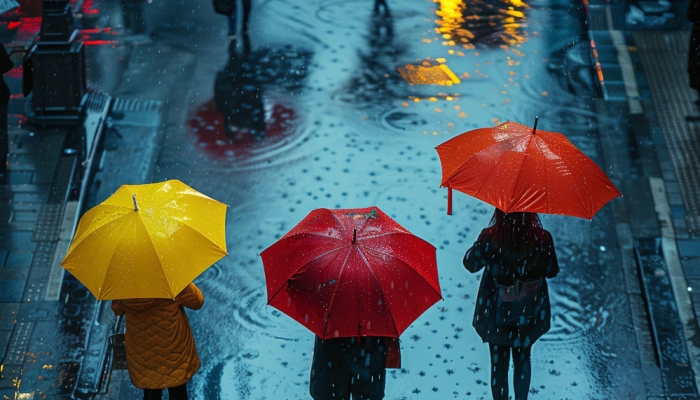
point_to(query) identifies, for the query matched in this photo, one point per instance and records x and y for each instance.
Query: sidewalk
(39, 205)
(641, 59)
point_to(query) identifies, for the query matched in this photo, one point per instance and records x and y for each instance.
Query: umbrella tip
(354, 235)
(136, 206)
(535, 127)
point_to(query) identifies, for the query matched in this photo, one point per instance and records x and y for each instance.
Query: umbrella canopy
(147, 241)
(351, 272)
(520, 169)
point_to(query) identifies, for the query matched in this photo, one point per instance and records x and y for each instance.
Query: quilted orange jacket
(160, 349)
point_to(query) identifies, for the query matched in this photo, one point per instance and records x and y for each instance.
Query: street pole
(56, 67)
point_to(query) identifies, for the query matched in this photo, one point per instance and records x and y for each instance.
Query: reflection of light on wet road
(481, 23)
(26, 30)
(207, 124)
(428, 72)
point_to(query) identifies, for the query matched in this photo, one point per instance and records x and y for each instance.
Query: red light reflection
(207, 124)
(98, 42)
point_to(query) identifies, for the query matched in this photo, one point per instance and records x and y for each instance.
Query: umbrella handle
(449, 200)
(534, 129)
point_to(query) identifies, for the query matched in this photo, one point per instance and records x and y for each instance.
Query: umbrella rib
(403, 232)
(335, 292)
(369, 267)
(300, 268)
(578, 182)
(546, 178)
(77, 241)
(185, 224)
(167, 281)
(340, 222)
(106, 270)
(572, 171)
(500, 156)
(113, 255)
(458, 170)
(522, 161)
(396, 257)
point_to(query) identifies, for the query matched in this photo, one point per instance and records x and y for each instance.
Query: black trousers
(500, 361)
(175, 393)
(348, 366)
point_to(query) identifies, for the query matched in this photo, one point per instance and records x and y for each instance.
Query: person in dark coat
(346, 366)
(513, 246)
(6, 65)
(239, 96)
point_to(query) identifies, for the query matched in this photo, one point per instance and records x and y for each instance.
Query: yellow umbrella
(147, 241)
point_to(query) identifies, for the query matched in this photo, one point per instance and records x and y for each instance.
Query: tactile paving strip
(664, 56)
(18, 343)
(597, 18)
(136, 112)
(48, 223)
(62, 179)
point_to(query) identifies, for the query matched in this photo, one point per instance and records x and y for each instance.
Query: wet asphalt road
(345, 130)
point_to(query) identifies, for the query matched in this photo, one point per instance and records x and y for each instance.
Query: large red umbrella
(351, 272)
(517, 168)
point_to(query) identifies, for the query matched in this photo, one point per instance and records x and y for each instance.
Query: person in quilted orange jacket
(160, 349)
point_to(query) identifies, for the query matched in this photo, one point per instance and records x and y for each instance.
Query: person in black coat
(357, 366)
(238, 95)
(513, 248)
(6, 65)
(694, 47)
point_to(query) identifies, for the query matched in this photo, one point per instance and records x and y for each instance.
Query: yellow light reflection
(490, 23)
(428, 72)
(438, 97)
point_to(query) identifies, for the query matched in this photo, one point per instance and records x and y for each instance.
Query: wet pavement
(345, 129)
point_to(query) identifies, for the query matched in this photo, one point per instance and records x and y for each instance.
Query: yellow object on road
(429, 72)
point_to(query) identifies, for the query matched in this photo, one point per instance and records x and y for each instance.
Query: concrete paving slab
(19, 259)
(17, 240)
(15, 177)
(17, 225)
(4, 342)
(25, 216)
(30, 197)
(11, 291)
(691, 266)
(8, 315)
(689, 248)
(14, 273)
(34, 161)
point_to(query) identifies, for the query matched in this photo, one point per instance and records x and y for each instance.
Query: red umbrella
(351, 272)
(517, 168)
